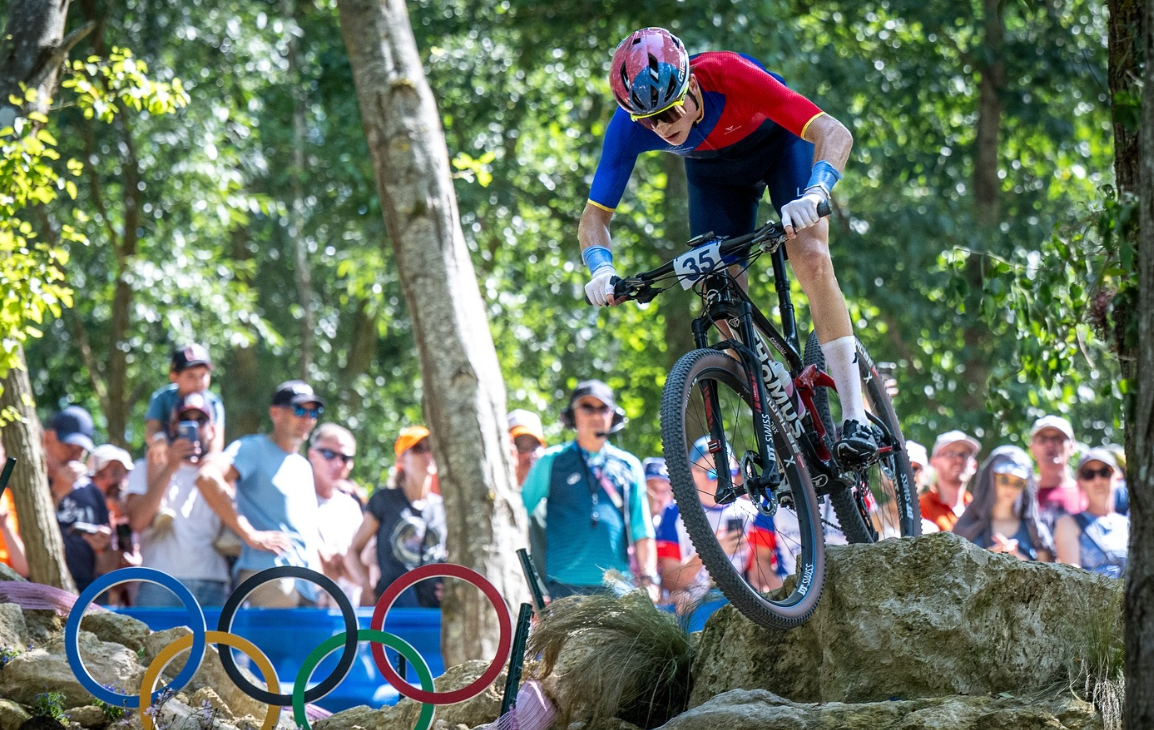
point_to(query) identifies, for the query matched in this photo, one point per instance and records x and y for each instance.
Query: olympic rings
(436, 570)
(329, 585)
(115, 578)
(424, 720)
(201, 637)
(168, 653)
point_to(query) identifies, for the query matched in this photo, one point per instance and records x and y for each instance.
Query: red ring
(445, 570)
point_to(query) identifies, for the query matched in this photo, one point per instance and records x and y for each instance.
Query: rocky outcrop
(908, 619)
(117, 628)
(47, 668)
(762, 710)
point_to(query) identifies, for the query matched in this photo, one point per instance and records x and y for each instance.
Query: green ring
(424, 674)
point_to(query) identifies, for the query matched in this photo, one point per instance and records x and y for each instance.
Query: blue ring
(115, 578)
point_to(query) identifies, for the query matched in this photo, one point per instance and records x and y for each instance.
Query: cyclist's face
(676, 130)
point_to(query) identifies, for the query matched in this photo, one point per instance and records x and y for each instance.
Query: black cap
(73, 425)
(189, 356)
(593, 389)
(295, 393)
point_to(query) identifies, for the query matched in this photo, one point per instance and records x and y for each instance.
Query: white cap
(1052, 422)
(526, 423)
(104, 455)
(953, 437)
(917, 453)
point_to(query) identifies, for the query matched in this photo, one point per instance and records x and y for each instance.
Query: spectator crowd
(213, 514)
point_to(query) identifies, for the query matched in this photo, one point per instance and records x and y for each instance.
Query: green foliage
(100, 83)
(8, 653)
(49, 704)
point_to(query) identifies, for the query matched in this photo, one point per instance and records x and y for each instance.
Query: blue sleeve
(639, 503)
(240, 456)
(536, 486)
(217, 410)
(667, 530)
(160, 405)
(624, 140)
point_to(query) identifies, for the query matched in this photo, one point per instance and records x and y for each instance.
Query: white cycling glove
(802, 213)
(600, 287)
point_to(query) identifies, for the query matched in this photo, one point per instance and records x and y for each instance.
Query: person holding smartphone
(177, 527)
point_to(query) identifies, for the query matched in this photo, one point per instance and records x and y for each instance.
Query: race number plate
(693, 265)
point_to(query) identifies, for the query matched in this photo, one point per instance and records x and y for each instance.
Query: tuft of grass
(629, 660)
(50, 704)
(1096, 665)
(113, 713)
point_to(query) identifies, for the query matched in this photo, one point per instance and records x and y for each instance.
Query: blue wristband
(824, 176)
(597, 256)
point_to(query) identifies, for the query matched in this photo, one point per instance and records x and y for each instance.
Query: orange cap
(409, 437)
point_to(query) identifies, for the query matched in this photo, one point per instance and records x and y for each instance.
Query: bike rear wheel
(884, 501)
(747, 555)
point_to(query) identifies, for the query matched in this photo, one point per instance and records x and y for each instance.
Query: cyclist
(741, 130)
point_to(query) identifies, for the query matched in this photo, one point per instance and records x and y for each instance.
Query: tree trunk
(31, 50)
(360, 355)
(246, 407)
(23, 441)
(304, 275)
(464, 395)
(1139, 668)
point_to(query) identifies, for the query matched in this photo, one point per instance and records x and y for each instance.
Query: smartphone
(735, 524)
(188, 430)
(123, 536)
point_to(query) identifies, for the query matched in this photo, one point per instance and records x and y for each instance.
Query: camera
(123, 536)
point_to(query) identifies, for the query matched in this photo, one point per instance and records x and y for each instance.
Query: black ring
(228, 612)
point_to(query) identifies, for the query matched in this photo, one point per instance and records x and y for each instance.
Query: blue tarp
(287, 636)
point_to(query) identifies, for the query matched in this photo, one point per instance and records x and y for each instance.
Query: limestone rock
(402, 716)
(762, 710)
(6, 573)
(43, 625)
(117, 628)
(483, 708)
(28, 674)
(211, 674)
(923, 617)
(12, 715)
(87, 716)
(13, 629)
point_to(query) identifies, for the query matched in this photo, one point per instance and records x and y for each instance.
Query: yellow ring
(168, 653)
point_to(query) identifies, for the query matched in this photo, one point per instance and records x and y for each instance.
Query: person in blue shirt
(275, 514)
(590, 498)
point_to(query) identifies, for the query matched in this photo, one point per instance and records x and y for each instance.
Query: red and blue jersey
(743, 105)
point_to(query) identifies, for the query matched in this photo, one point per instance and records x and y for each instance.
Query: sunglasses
(201, 420)
(1089, 474)
(711, 474)
(421, 447)
(1009, 480)
(668, 115)
(302, 412)
(600, 410)
(329, 455)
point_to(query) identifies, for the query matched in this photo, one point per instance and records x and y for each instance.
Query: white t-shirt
(186, 550)
(338, 519)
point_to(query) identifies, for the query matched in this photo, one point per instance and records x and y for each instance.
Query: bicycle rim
(747, 556)
(884, 503)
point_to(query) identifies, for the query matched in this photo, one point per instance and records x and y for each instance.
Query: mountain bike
(749, 440)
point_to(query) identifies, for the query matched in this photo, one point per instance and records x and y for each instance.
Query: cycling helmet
(650, 71)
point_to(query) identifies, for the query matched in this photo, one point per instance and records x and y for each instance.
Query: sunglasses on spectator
(600, 410)
(955, 455)
(421, 447)
(668, 115)
(916, 469)
(1087, 474)
(200, 418)
(330, 454)
(1009, 480)
(302, 412)
(1058, 438)
(711, 474)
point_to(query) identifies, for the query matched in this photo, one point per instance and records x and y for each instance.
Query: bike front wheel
(769, 566)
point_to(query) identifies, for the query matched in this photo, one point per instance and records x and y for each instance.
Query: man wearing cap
(657, 487)
(589, 496)
(191, 372)
(1052, 446)
(919, 459)
(528, 437)
(67, 440)
(177, 527)
(81, 512)
(275, 514)
(408, 520)
(954, 460)
(111, 466)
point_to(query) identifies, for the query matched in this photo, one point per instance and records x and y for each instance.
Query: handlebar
(769, 237)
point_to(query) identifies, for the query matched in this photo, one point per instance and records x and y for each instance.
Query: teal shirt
(579, 551)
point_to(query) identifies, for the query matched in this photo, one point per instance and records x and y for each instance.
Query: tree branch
(57, 57)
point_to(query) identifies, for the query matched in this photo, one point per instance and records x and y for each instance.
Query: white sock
(841, 364)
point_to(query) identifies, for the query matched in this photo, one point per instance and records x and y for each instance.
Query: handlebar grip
(823, 208)
(614, 280)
